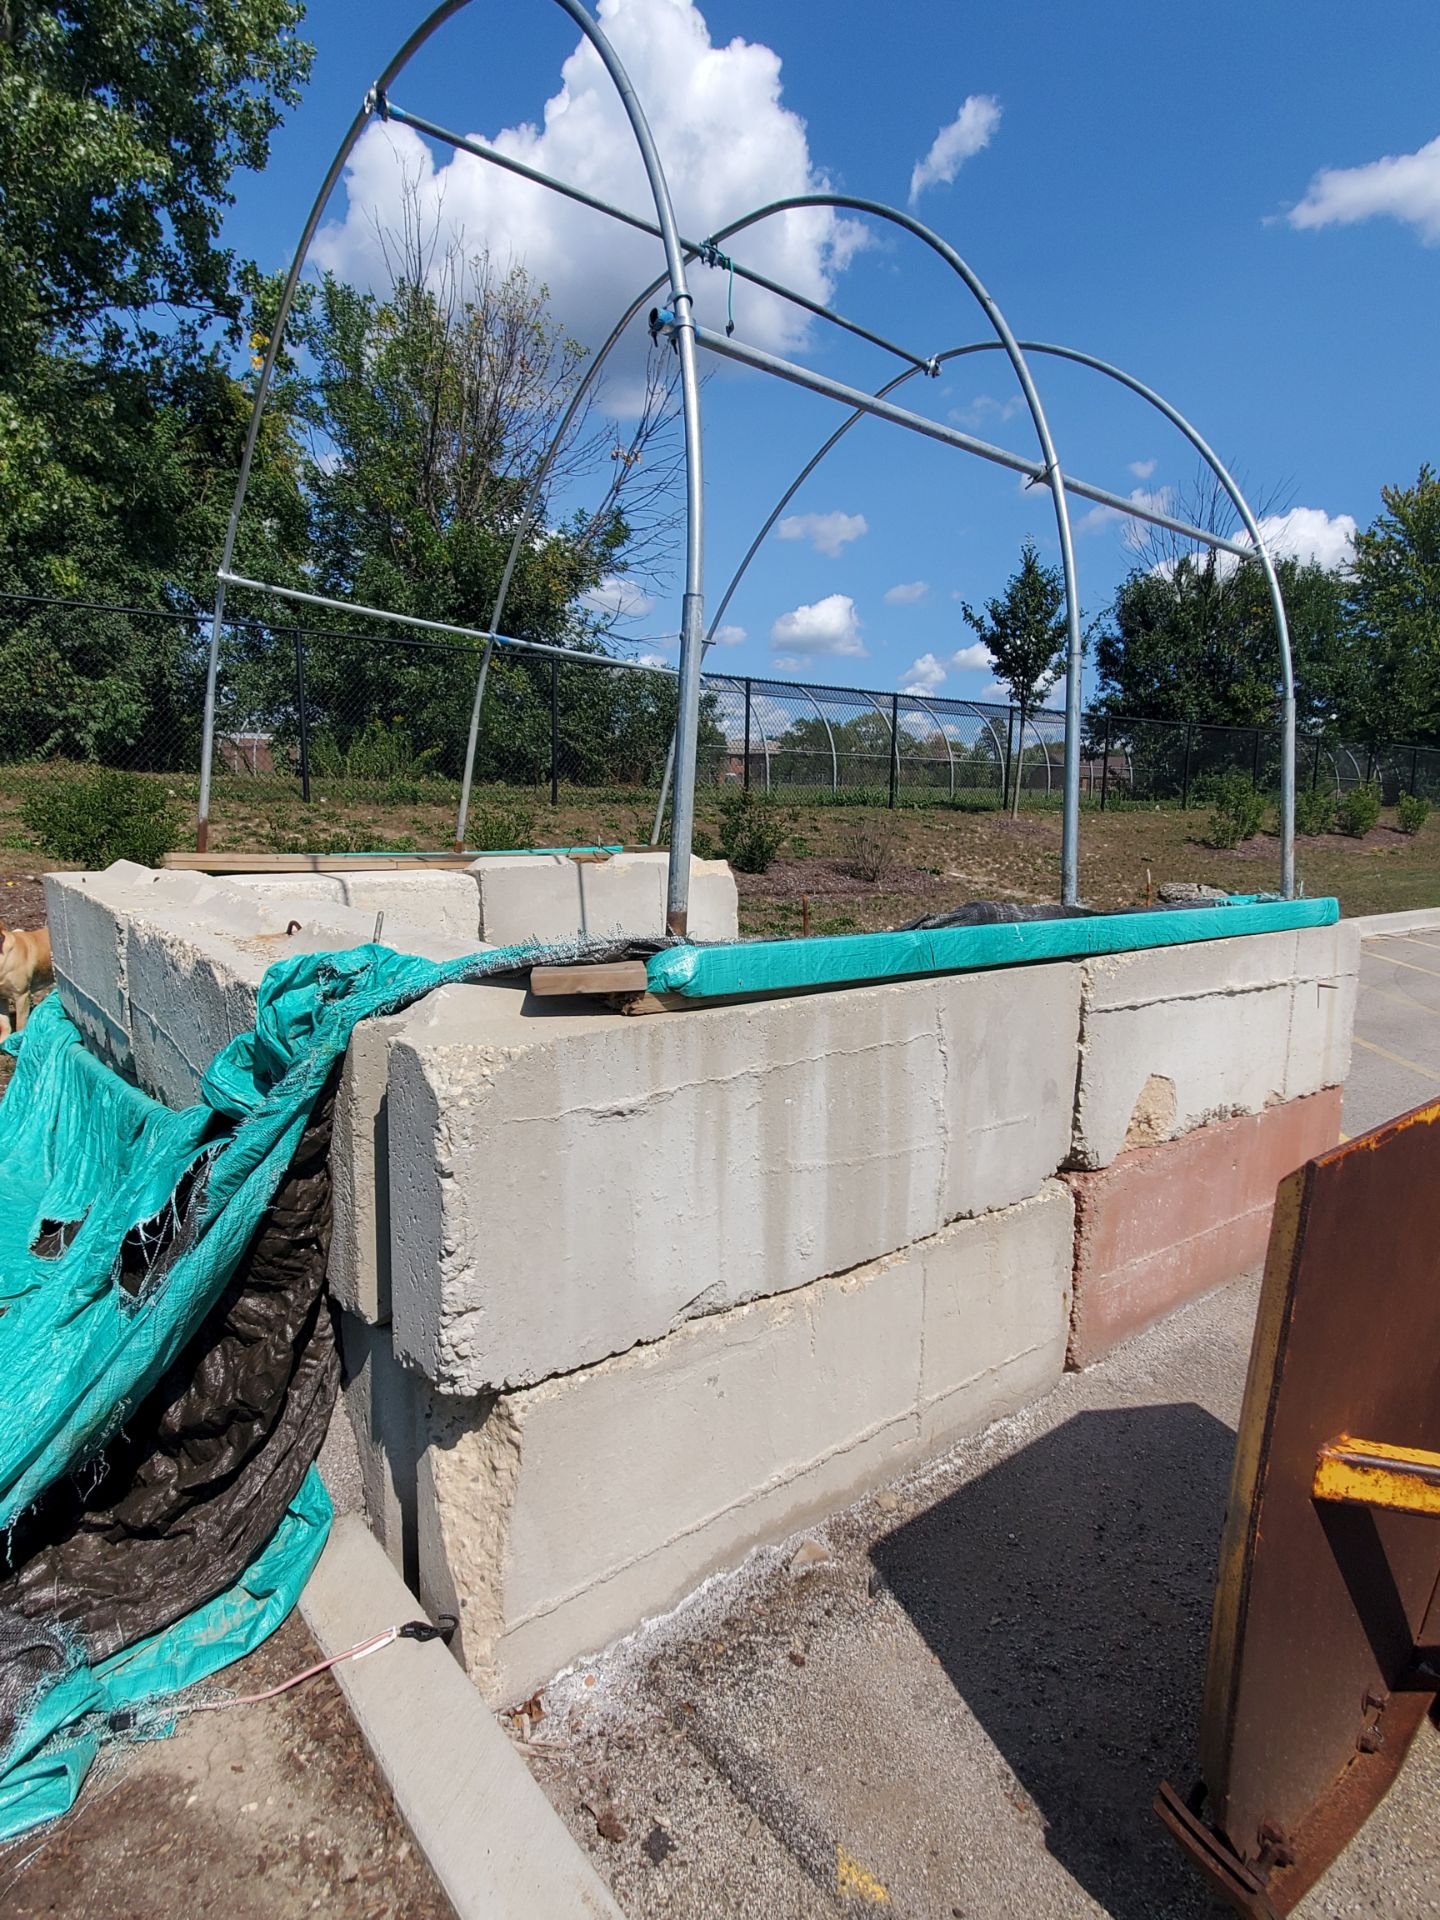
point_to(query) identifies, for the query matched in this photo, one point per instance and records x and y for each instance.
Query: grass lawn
(929, 858)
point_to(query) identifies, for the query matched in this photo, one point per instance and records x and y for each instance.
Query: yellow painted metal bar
(1370, 1473)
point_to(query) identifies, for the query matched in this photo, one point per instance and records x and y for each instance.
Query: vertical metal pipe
(554, 732)
(1255, 761)
(1009, 756)
(830, 736)
(748, 685)
(894, 746)
(1315, 768)
(1105, 767)
(304, 718)
(1185, 771)
(1414, 767)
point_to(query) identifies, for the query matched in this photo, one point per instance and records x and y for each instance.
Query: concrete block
(442, 903)
(359, 1269)
(493, 1840)
(556, 1518)
(1163, 1224)
(563, 1184)
(550, 897)
(161, 969)
(1375, 926)
(385, 1406)
(1176, 1037)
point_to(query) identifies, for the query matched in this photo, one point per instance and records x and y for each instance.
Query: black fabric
(184, 1498)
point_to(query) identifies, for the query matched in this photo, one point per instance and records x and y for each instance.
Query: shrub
(499, 826)
(1359, 810)
(94, 818)
(868, 846)
(1236, 811)
(1315, 810)
(1412, 810)
(751, 830)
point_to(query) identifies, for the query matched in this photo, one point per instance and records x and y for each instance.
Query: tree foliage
(122, 123)
(1025, 633)
(1393, 610)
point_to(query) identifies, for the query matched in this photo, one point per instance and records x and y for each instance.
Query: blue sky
(1145, 182)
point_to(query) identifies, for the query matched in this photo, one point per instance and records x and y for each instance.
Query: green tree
(1193, 639)
(122, 123)
(1393, 606)
(1025, 633)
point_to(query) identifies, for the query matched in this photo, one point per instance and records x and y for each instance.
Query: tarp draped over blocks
(168, 1359)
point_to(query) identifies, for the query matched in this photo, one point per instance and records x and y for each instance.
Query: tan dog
(24, 966)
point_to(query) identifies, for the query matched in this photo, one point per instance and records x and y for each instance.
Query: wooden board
(1312, 1690)
(620, 976)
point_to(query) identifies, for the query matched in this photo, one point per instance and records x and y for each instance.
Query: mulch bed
(788, 879)
(1266, 846)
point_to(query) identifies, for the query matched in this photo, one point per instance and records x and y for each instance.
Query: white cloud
(953, 145)
(729, 636)
(826, 532)
(973, 659)
(1402, 186)
(1307, 534)
(983, 409)
(906, 593)
(725, 139)
(1142, 469)
(1310, 534)
(995, 691)
(1158, 500)
(923, 675)
(617, 598)
(655, 660)
(829, 626)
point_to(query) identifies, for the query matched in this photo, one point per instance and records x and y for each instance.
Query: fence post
(1255, 761)
(1185, 770)
(303, 712)
(1369, 765)
(1315, 766)
(747, 732)
(1105, 767)
(554, 731)
(1009, 756)
(894, 745)
(1414, 763)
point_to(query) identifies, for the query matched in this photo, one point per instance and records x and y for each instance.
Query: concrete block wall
(623, 1297)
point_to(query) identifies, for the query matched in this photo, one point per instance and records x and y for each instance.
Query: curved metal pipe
(925, 707)
(1217, 467)
(683, 333)
(830, 736)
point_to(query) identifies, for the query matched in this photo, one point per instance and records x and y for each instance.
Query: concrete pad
(1416, 920)
(492, 1839)
(1164, 1224)
(552, 897)
(554, 1519)
(443, 903)
(1176, 1037)
(563, 1184)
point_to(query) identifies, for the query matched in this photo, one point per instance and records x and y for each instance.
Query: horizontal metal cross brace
(798, 376)
(701, 249)
(434, 626)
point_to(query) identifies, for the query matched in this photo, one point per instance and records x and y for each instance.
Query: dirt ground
(259, 1813)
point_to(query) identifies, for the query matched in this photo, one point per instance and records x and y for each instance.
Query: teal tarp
(850, 959)
(92, 1312)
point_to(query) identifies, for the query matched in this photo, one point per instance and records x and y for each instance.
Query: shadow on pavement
(1067, 1594)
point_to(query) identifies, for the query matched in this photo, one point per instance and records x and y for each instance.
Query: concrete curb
(494, 1842)
(1373, 926)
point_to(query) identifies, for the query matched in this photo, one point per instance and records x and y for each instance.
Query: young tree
(1025, 633)
(1393, 604)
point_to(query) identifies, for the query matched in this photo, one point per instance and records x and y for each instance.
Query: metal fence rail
(346, 721)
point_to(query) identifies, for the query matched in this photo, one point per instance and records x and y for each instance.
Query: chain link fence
(330, 739)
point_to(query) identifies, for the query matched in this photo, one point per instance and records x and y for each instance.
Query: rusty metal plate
(1312, 1691)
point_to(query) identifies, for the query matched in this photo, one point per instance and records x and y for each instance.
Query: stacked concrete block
(548, 897)
(564, 1186)
(556, 1518)
(442, 903)
(1207, 1072)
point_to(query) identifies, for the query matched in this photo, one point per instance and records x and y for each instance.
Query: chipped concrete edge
(494, 1842)
(1374, 926)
